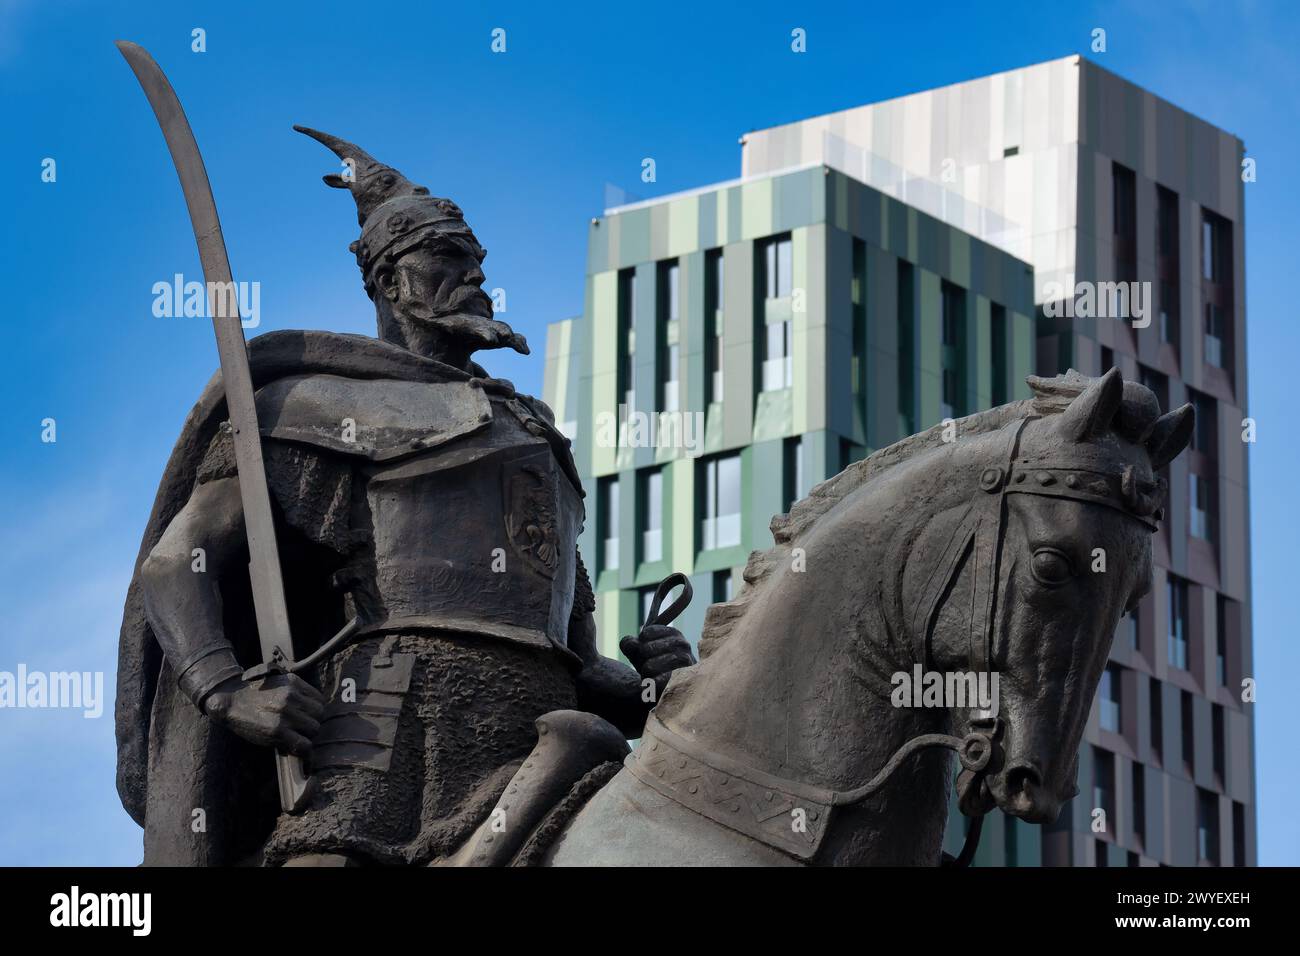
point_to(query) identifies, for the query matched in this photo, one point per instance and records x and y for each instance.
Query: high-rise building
(866, 278)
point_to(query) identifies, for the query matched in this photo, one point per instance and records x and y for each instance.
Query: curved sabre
(264, 559)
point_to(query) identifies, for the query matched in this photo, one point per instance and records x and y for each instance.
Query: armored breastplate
(474, 519)
(478, 536)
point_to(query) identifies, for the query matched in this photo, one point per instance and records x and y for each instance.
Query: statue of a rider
(433, 503)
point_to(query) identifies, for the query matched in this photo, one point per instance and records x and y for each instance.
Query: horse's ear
(1090, 414)
(1170, 435)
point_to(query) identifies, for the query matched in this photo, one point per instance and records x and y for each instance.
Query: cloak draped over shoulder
(171, 761)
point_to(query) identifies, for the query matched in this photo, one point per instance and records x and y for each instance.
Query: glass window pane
(784, 268)
(655, 500)
(713, 489)
(775, 340)
(1207, 249)
(609, 520)
(1109, 700)
(729, 485)
(799, 490)
(672, 293)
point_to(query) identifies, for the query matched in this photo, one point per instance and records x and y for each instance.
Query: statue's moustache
(467, 294)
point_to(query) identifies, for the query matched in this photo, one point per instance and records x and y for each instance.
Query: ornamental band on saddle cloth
(401, 475)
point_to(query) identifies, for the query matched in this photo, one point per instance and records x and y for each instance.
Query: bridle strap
(977, 538)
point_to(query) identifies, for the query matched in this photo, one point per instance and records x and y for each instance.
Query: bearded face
(435, 290)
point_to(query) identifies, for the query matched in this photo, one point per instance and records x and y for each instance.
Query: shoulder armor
(377, 419)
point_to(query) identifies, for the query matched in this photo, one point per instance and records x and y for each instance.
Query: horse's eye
(1051, 566)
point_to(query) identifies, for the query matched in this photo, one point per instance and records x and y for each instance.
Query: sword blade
(264, 560)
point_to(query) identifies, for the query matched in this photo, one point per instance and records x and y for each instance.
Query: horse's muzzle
(1024, 795)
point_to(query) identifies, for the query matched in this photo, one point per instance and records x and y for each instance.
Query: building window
(1215, 330)
(1169, 311)
(1156, 382)
(672, 275)
(1216, 287)
(713, 323)
(720, 511)
(627, 337)
(778, 363)
(1167, 262)
(1188, 727)
(607, 517)
(1216, 252)
(1205, 434)
(777, 261)
(1238, 834)
(722, 587)
(906, 334)
(1176, 589)
(1200, 501)
(778, 267)
(1125, 221)
(948, 398)
(647, 600)
(1221, 612)
(998, 333)
(652, 515)
(1166, 222)
(1216, 741)
(952, 307)
(672, 378)
(1103, 783)
(1108, 697)
(1207, 827)
(1128, 631)
(1139, 792)
(793, 472)
(669, 313)
(1157, 714)
(858, 297)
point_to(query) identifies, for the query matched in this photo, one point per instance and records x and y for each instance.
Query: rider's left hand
(656, 652)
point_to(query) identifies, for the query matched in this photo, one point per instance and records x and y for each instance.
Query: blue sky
(526, 143)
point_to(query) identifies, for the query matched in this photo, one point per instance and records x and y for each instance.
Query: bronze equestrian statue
(448, 701)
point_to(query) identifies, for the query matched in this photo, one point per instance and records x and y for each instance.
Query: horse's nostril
(1023, 779)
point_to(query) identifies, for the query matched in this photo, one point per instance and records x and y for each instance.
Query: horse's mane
(1051, 396)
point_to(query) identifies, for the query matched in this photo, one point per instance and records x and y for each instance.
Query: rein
(758, 804)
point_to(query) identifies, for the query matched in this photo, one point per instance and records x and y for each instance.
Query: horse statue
(1010, 546)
